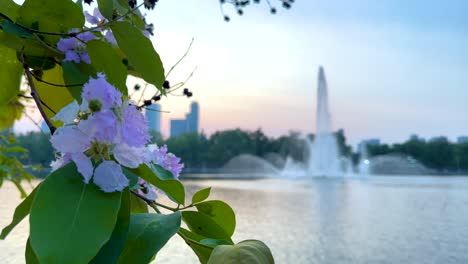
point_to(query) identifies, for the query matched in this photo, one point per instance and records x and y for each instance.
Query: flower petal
(110, 37)
(84, 165)
(71, 55)
(69, 139)
(68, 114)
(109, 177)
(134, 129)
(127, 156)
(102, 126)
(60, 162)
(66, 44)
(103, 91)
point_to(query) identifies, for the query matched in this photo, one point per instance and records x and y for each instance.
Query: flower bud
(95, 105)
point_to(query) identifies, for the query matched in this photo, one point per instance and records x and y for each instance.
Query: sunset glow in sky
(394, 67)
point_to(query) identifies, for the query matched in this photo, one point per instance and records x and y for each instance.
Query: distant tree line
(439, 153)
(211, 152)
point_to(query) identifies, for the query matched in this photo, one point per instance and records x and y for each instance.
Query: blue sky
(394, 67)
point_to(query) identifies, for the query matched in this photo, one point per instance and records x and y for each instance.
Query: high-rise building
(153, 115)
(178, 127)
(187, 125)
(192, 118)
(462, 139)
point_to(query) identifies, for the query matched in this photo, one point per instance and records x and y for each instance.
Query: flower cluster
(104, 133)
(75, 47)
(97, 19)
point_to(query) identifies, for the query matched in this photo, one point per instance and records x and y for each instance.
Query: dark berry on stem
(166, 85)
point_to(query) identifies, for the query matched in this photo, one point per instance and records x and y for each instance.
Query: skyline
(394, 68)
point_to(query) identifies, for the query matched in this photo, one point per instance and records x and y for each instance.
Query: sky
(394, 67)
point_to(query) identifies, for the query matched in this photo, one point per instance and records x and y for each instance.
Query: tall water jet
(324, 159)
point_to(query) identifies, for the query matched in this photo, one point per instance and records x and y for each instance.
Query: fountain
(324, 158)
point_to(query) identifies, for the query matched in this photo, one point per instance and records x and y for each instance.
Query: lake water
(375, 220)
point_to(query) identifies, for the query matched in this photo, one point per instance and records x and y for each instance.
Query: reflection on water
(376, 220)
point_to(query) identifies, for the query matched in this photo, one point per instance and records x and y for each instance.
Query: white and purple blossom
(134, 129)
(75, 48)
(110, 133)
(95, 133)
(96, 18)
(99, 89)
(160, 156)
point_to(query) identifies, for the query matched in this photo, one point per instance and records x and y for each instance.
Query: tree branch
(36, 97)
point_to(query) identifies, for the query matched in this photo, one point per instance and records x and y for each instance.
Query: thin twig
(42, 102)
(36, 97)
(181, 58)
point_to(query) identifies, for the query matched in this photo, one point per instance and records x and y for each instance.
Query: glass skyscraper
(153, 115)
(187, 125)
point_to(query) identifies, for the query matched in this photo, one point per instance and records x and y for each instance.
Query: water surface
(374, 220)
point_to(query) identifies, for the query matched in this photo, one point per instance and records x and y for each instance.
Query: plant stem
(36, 97)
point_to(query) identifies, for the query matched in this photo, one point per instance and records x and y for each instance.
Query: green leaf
(140, 53)
(105, 59)
(201, 195)
(204, 225)
(55, 97)
(132, 178)
(245, 252)
(28, 46)
(137, 205)
(161, 172)
(38, 62)
(9, 8)
(221, 213)
(171, 187)
(12, 28)
(10, 75)
(30, 255)
(147, 234)
(203, 252)
(76, 75)
(110, 252)
(10, 112)
(64, 16)
(106, 7)
(215, 242)
(70, 220)
(21, 211)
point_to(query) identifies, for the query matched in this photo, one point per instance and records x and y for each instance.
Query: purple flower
(134, 127)
(172, 164)
(100, 89)
(110, 37)
(130, 157)
(96, 18)
(166, 160)
(106, 130)
(109, 177)
(102, 126)
(74, 48)
(69, 139)
(84, 165)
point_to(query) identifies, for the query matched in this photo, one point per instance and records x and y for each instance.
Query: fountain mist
(324, 159)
